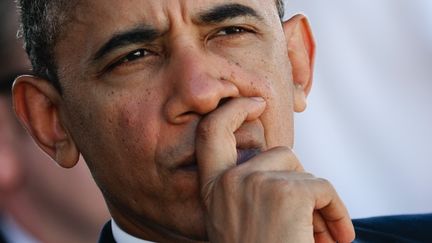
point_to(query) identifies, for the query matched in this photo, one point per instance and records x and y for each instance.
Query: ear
(301, 52)
(37, 104)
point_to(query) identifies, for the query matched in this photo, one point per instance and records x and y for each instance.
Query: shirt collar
(13, 232)
(121, 236)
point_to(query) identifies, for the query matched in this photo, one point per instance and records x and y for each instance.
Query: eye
(132, 56)
(232, 30)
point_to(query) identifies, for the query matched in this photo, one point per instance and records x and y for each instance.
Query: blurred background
(39, 201)
(368, 126)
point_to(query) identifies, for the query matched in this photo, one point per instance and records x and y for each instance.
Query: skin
(47, 202)
(202, 94)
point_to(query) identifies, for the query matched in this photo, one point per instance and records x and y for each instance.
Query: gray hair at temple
(41, 27)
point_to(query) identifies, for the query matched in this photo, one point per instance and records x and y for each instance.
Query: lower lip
(243, 155)
(191, 167)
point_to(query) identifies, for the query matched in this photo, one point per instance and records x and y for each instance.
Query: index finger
(215, 141)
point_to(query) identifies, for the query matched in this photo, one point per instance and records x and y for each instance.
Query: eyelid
(245, 29)
(119, 61)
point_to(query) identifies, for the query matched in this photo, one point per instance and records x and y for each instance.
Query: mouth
(243, 155)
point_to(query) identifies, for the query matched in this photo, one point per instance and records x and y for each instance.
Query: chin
(189, 222)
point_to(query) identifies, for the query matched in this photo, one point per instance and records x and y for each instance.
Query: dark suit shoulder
(400, 228)
(2, 239)
(106, 235)
(391, 229)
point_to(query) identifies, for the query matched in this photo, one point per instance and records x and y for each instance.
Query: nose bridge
(198, 80)
(190, 62)
(198, 77)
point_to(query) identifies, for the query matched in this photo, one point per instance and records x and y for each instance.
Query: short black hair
(41, 27)
(280, 8)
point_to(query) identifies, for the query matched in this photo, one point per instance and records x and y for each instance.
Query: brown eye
(131, 57)
(231, 30)
(134, 55)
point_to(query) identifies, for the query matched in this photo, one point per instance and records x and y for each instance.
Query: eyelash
(236, 30)
(130, 57)
(141, 53)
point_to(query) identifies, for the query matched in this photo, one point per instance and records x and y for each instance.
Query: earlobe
(37, 104)
(301, 52)
(300, 98)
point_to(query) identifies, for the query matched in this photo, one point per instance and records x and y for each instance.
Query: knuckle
(324, 183)
(290, 188)
(282, 191)
(256, 178)
(287, 154)
(283, 150)
(285, 188)
(229, 179)
(308, 175)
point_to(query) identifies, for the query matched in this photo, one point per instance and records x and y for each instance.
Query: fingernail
(259, 99)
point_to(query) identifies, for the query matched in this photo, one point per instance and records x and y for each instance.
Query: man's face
(138, 76)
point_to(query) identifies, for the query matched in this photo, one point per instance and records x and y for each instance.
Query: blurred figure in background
(39, 202)
(368, 128)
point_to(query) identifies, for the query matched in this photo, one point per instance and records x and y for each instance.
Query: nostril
(184, 117)
(223, 101)
(188, 113)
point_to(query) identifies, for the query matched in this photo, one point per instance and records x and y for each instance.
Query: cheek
(268, 74)
(134, 121)
(137, 127)
(118, 132)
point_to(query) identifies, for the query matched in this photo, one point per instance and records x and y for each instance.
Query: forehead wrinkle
(139, 34)
(173, 12)
(209, 12)
(222, 12)
(174, 16)
(89, 15)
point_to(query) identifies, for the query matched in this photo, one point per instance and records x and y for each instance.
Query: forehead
(159, 8)
(94, 22)
(102, 15)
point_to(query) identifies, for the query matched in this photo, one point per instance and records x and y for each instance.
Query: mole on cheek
(148, 92)
(125, 120)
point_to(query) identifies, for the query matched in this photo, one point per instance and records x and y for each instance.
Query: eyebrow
(144, 34)
(227, 11)
(147, 34)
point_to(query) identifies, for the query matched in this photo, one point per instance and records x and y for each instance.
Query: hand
(268, 198)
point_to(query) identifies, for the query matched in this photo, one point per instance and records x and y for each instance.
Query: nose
(201, 83)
